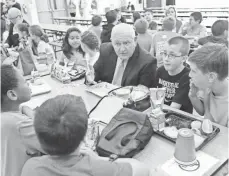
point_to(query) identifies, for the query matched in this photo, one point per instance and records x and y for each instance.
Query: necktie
(117, 80)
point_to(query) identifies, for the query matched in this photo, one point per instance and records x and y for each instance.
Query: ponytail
(45, 38)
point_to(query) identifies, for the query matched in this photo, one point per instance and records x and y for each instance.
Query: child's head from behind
(169, 23)
(72, 41)
(89, 42)
(153, 25)
(220, 28)
(141, 26)
(14, 88)
(61, 124)
(111, 16)
(23, 30)
(37, 34)
(136, 16)
(209, 65)
(176, 53)
(96, 20)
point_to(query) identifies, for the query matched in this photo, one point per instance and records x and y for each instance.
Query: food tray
(183, 121)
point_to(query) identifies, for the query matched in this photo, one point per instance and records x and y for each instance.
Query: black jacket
(106, 33)
(17, 5)
(140, 68)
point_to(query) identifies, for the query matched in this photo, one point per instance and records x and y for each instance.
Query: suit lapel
(130, 64)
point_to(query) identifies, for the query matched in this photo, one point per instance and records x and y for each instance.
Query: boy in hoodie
(219, 33)
(112, 20)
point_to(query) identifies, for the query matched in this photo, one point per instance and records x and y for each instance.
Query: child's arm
(27, 111)
(196, 102)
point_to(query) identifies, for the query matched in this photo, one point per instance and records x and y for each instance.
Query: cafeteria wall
(202, 3)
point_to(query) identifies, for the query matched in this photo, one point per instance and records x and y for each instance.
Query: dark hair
(111, 16)
(153, 25)
(211, 58)
(23, 27)
(197, 16)
(183, 42)
(90, 39)
(66, 48)
(141, 26)
(61, 124)
(96, 20)
(9, 79)
(38, 31)
(136, 16)
(169, 23)
(148, 10)
(219, 27)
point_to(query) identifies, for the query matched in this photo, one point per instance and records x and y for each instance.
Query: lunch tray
(185, 122)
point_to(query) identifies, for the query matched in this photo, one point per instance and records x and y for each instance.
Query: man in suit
(122, 62)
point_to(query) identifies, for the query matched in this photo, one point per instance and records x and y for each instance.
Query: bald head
(13, 12)
(122, 30)
(14, 15)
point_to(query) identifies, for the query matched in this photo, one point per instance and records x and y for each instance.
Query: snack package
(157, 96)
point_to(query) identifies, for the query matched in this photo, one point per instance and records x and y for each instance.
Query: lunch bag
(128, 133)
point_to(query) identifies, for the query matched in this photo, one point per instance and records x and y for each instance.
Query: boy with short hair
(96, 25)
(144, 39)
(209, 72)
(18, 136)
(148, 15)
(174, 76)
(219, 33)
(112, 20)
(61, 124)
(160, 39)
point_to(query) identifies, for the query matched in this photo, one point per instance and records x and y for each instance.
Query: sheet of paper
(107, 109)
(206, 162)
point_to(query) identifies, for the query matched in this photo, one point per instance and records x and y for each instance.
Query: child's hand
(193, 90)
(90, 76)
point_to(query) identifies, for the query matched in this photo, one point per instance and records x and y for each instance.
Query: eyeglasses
(170, 56)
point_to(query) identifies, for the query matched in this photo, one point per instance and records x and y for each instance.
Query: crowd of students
(129, 55)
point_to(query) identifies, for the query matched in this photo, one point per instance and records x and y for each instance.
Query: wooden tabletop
(159, 150)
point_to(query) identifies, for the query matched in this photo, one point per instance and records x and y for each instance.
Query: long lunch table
(158, 150)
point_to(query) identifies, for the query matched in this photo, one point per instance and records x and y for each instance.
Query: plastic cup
(185, 153)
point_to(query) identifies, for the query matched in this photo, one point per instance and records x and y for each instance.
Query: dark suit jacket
(140, 69)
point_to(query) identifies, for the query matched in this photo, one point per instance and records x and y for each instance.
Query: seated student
(194, 29)
(112, 20)
(17, 132)
(73, 54)
(122, 62)
(90, 44)
(174, 75)
(148, 16)
(152, 27)
(61, 124)
(96, 25)
(160, 38)
(171, 11)
(44, 50)
(219, 33)
(209, 72)
(144, 39)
